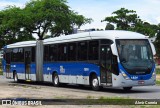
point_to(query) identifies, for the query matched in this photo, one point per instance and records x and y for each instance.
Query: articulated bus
(112, 58)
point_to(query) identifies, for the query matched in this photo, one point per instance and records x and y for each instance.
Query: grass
(143, 106)
(157, 70)
(158, 73)
(158, 82)
(1, 73)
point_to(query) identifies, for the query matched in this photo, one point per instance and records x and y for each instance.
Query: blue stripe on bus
(71, 68)
(68, 68)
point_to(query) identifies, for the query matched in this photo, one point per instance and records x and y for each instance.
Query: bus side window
(8, 56)
(93, 50)
(33, 54)
(53, 50)
(82, 51)
(14, 55)
(20, 55)
(62, 52)
(46, 54)
(72, 47)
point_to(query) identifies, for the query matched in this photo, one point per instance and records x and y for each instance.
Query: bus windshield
(135, 56)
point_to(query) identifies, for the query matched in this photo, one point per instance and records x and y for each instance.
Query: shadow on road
(83, 88)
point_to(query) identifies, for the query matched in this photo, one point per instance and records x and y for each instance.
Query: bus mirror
(114, 51)
(153, 48)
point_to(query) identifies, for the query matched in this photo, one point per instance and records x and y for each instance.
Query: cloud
(148, 10)
(18, 3)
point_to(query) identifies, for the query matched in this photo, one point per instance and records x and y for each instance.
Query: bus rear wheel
(55, 80)
(15, 77)
(127, 88)
(95, 83)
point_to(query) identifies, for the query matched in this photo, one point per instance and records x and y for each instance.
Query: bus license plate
(140, 82)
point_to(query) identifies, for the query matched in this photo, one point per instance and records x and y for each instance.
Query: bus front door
(27, 64)
(105, 64)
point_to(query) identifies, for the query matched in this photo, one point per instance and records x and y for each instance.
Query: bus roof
(109, 34)
(21, 44)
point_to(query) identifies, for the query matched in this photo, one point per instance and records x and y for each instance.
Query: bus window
(62, 53)
(46, 54)
(93, 50)
(20, 55)
(33, 54)
(72, 51)
(106, 41)
(53, 52)
(82, 51)
(8, 56)
(14, 55)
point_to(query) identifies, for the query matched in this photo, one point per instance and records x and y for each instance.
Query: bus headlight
(124, 75)
(154, 74)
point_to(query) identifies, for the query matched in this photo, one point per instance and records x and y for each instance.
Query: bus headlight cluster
(124, 75)
(154, 73)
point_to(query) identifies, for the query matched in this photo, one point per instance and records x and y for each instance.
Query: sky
(148, 10)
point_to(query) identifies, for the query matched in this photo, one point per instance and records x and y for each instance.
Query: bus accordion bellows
(113, 58)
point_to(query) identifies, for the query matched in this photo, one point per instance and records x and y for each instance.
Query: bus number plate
(140, 82)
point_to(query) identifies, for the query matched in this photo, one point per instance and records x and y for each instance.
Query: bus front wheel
(127, 88)
(55, 80)
(95, 83)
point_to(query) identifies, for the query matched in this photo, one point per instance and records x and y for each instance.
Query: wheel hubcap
(95, 82)
(56, 80)
(15, 77)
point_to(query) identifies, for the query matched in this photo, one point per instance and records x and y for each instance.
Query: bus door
(105, 64)
(8, 62)
(27, 53)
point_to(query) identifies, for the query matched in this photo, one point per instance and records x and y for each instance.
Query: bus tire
(15, 77)
(127, 88)
(55, 80)
(95, 83)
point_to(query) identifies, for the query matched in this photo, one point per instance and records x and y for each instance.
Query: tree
(43, 16)
(38, 17)
(10, 29)
(128, 20)
(109, 27)
(123, 18)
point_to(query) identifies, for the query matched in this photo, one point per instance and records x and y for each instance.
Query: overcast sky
(148, 10)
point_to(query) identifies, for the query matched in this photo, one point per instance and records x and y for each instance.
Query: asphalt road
(9, 89)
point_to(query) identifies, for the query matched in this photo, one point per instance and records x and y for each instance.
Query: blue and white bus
(111, 58)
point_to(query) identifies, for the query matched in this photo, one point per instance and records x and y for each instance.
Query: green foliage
(158, 82)
(157, 43)
(38, 17)
(1, 73)
(123, 18)
(157, 70)
(109, 27)
(126, 19)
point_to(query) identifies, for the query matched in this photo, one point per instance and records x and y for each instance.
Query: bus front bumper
(121, 82)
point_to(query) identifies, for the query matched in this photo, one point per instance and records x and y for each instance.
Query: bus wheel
(55, 80)
(15, 77)
(95, 83)
(127, 88)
